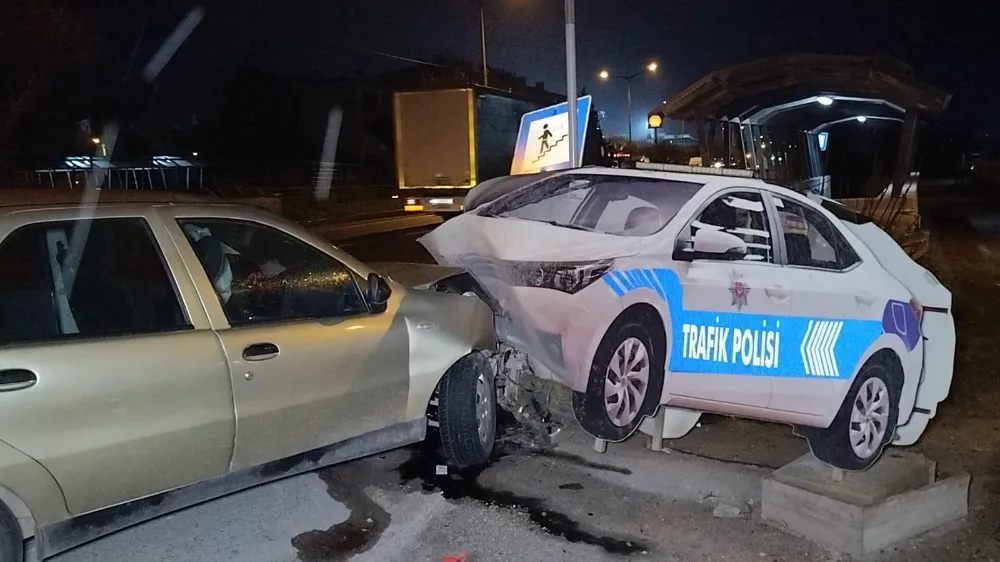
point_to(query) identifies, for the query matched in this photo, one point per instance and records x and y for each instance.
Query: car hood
(507, 257)
(416, 275)
(511, 240)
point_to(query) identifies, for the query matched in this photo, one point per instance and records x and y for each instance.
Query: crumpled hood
(416, 275)
(510, 239)
(513, 259)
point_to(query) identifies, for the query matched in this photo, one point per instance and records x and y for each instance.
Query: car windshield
(608, 204)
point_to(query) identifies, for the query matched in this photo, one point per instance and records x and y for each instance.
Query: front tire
(864, 425)
(11, 541)
(467, 411)
(626, 379)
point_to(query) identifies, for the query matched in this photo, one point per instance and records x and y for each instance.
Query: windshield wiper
(571, 226)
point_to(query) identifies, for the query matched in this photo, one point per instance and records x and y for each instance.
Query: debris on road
(725, 511)
(460, 557)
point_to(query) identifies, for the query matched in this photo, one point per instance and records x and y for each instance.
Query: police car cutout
(716, 292)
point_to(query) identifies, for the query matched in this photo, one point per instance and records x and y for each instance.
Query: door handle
(864, 299)
(16, 379)
(776, 292)
(260, 351)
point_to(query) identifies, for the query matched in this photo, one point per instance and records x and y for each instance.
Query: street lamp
(605, 75)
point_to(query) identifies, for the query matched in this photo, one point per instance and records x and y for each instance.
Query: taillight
(918, 309)
(411, 201)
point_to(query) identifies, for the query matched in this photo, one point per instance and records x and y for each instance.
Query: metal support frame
(907, 150)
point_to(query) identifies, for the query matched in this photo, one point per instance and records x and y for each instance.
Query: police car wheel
(865, 423)
(626, 379)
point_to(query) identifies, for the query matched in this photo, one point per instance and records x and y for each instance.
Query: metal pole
(629, 81)
(571, 91)
(482, 32)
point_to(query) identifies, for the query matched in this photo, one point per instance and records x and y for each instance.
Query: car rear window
(844, 213)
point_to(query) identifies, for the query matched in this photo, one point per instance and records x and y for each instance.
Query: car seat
(643, 221)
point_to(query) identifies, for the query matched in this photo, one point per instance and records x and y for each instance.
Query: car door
(732, 310)
(310, 364)
(110, 376)
(837, 307)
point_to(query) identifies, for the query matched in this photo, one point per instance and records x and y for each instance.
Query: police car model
(710, 293)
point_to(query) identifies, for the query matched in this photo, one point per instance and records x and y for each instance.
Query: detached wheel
(626, 379)
(11, 541)
(864, 425)
(467, 411)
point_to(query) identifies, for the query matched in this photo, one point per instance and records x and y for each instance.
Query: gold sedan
(156, 355)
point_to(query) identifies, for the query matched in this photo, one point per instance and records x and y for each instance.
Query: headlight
(567, 277)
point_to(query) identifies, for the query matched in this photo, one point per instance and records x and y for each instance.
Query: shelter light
(862, 118)
(824, 100)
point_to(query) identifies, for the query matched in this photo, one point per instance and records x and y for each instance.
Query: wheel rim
(485, 413)
(626, 382)
(869, 418)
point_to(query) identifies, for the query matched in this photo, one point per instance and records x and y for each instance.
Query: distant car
(156, 355)
(710, 293)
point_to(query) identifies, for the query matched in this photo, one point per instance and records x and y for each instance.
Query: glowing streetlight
(606, 75)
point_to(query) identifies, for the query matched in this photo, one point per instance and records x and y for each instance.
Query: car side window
(811, 240)
(261, 274)
(85, 279)
(742, 214)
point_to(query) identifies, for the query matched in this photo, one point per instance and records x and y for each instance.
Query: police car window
(810, 239)
(742, 214)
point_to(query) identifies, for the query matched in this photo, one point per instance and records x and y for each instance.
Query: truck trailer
(447, 141)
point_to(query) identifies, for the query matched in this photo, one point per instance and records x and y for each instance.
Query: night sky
(953, 45)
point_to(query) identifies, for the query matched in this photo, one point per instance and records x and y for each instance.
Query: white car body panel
(937, 326)
(787, 352)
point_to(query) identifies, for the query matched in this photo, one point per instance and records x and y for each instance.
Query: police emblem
(739, 291)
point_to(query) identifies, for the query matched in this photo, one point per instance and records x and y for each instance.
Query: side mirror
(710, 245)
(378, 293)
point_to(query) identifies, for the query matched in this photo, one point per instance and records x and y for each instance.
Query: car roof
(14, 200)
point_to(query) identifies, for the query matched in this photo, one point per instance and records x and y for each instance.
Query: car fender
(442, 329)
(911, 375)
(29, 491)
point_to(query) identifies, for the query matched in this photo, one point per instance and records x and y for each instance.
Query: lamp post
(482, 34)
(571, 91)
(605, 75)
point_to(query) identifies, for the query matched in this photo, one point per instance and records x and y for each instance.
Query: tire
(833, 445)
(467, 411)
(11, 541)
(594, 410)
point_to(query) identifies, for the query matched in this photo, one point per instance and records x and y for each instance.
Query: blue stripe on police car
(739, 343)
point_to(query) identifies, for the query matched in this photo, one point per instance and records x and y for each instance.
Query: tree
(38, 40)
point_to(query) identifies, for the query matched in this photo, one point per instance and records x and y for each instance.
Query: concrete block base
(859, 513)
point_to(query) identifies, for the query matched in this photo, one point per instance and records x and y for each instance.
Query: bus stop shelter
(770, 115)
